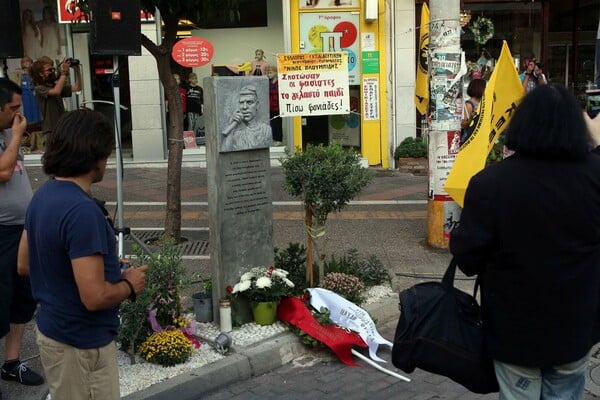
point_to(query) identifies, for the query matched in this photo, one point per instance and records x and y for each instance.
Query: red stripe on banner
(442, 197)
(295, 311)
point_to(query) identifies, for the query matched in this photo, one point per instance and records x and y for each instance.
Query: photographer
(50, 88)
(533, 76)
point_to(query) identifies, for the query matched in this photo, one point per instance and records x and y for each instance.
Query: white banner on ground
(349, 316)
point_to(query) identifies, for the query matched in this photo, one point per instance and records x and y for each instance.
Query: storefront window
(520, 24)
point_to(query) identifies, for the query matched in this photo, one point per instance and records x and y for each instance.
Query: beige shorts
(79, 374)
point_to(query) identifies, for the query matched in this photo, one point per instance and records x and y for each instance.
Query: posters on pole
(446, 86)
(333, 32)
(443, 149)
(313, 84)
(370, 99)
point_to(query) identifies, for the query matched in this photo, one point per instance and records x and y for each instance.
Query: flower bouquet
(264, 287)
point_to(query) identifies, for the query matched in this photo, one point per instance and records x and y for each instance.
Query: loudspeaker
(11, 40)
(115, 27)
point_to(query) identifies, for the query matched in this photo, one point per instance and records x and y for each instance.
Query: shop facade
(380, 38)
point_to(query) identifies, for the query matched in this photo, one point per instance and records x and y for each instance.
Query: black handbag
(440, 331)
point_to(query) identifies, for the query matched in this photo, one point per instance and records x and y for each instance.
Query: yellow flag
(422, 83)
(500, 99)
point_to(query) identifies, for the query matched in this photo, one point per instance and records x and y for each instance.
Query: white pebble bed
(142, 374)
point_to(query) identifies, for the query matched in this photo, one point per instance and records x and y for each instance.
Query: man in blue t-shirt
(68, 248)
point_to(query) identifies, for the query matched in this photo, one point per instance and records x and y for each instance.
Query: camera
(72, 62)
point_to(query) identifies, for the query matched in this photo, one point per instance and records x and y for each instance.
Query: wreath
(483, 30)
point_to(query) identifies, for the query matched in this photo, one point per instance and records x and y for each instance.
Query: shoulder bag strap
(448, 279)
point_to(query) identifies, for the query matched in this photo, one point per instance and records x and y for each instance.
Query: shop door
(331, 32)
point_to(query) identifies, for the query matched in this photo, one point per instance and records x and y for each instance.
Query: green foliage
(411, 148)
(497, 152)
(164, 282)
(206, 285)
(293, 260)
(325, 177)
(371, 271)
(348, 286)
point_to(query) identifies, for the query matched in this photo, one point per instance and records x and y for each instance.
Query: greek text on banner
(313, 84)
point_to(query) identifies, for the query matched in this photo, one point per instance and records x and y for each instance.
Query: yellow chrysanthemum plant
(167, 348)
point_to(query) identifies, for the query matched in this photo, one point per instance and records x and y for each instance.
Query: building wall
(147, 104)
(236, 46)
(403, 30)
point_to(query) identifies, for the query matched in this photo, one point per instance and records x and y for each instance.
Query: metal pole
(120, 228)
(444, 60)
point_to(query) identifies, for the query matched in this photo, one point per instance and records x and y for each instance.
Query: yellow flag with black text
(502, 94)
(422, 81)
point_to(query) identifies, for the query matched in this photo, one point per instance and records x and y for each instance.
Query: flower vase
(265, 312)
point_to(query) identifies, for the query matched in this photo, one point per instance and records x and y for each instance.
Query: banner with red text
(313, 84)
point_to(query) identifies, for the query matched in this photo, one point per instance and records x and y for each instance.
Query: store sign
(193, 52)
(68, 12)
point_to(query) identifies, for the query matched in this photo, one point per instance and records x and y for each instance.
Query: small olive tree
(326, 178)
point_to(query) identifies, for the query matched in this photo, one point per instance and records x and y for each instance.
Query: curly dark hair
(81, 139)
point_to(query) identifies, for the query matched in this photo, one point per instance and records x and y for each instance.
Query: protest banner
(313, 84)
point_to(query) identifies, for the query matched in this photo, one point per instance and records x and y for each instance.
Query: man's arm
(75, 87)
(98, 294)
(23, 256)
(62, 80)
(8, 158)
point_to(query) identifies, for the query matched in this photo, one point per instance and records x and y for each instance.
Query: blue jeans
(560, 382)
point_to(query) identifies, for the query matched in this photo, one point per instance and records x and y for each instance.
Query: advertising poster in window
(42, 34)
(312, 4)
(345, 129)
(332, 32)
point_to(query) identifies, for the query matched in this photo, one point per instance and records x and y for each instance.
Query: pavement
(390, 221)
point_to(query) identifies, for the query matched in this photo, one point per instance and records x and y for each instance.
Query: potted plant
(411, 155)
(264, 287)
(203, 304)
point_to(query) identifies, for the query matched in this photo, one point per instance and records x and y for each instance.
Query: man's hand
(64, 67)
(19, 125)
(136, 276)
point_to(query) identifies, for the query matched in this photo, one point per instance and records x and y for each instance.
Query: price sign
(193, 52)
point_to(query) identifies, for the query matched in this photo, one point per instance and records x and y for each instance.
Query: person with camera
(50, 88)
(533, 76)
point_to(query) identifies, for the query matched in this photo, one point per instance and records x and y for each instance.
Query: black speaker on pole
(11, 40)
(115, 27)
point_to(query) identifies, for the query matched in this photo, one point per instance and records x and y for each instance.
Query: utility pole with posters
(445, 111)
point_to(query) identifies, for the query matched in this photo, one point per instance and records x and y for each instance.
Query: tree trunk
(310, 277)
(175, 124)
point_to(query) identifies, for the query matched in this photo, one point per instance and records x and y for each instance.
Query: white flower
(281, 273)
(247, 276)
(241, 287)
(263, 282)
(288, 282)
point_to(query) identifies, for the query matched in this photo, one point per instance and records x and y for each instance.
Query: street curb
(250, 361)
